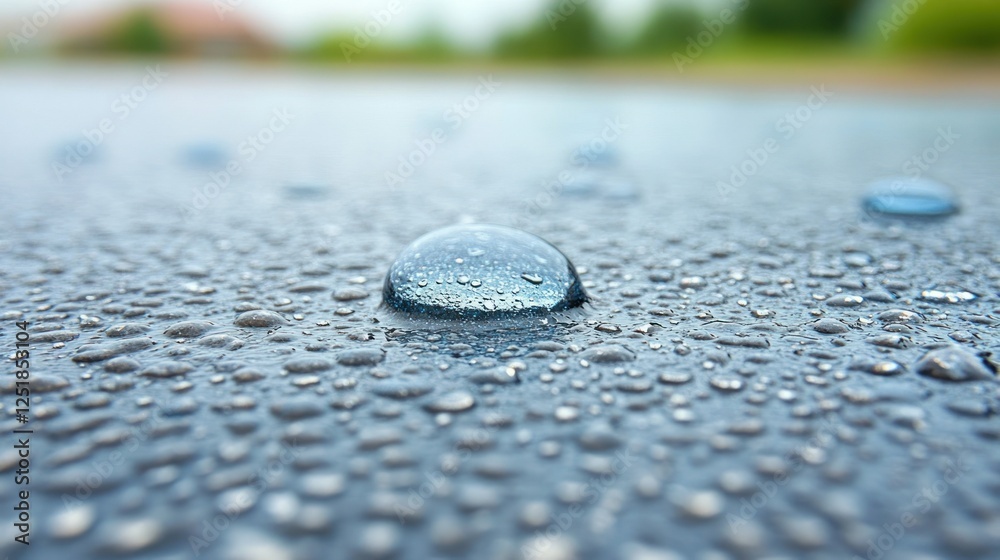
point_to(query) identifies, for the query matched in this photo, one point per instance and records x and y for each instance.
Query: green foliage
(942, 26)
(348, 47)
(564, 30)
(571, 30)
(330, 47)
(139, 33)
(567, 30)
(667, 30)
(432, 44)
(799, 17)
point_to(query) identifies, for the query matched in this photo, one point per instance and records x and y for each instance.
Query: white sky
(471, 21)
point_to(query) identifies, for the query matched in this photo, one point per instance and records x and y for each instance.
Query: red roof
(194, 27)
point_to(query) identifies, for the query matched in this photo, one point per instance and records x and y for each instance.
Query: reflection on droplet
(533, 278)
(940, 296)
(908, 197)
(495, 264)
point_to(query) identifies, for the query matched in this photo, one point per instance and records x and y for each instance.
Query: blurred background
(385, 74)
(649, 33)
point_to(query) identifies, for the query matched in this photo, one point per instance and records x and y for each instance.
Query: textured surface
(762, 373)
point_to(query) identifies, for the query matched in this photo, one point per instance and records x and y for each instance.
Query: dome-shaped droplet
(596, 152)
(908, 197)
(515, 273)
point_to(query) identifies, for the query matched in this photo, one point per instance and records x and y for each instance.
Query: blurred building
(173, 28)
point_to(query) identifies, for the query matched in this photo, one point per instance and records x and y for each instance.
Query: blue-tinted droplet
(596, 153)
(597, 183)
(76, 152)
(304, 191)
(908, 197)
(481, 271)
(205, 154)
(596, 174)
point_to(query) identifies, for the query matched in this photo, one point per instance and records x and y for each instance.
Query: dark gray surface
(739, 347)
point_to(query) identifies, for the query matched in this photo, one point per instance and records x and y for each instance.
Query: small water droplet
(306, 191)
(940, 296)
(205, 154)
(595, 153)
(908, 197)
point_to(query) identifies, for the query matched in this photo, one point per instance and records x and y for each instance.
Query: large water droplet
(515, 273)
(908, 197)
(954, 363)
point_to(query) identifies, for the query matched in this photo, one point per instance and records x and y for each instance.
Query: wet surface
(764, 371)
